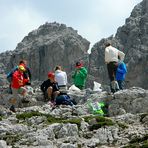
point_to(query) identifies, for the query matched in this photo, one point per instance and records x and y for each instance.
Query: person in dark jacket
(50, 88)
(120, 74)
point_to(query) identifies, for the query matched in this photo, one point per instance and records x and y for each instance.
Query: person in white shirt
(111, 59)
(61, 78)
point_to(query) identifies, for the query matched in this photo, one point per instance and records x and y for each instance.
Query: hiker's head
(23, 62)
(58, 68)
(119, 57)
(79, 64)
(107, 44)
(51, 75)
(21, 68)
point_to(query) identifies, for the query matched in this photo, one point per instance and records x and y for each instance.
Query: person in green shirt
(80, 75)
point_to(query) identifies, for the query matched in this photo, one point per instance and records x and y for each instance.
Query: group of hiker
(116, 67)
(55, 87)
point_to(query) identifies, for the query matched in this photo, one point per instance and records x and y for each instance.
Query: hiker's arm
(83, 73)
(121, 55)
(122, 69)
(29, 73)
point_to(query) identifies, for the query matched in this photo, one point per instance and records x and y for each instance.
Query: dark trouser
(112, 68)
(121, 84)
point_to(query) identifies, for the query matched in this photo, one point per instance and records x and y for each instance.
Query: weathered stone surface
(132, 39)
(134, 100)
(50, 45)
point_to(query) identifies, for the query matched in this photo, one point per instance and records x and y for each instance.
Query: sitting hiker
(50, 88)
(120, 73)
(64, 99)
(61, 78)
(17, 86)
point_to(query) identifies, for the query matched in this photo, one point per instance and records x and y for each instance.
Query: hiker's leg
(110, 71)
(112, 68)
(22, 96)
(13, 100)
(54, 95)
(49, 92)
(121, 84)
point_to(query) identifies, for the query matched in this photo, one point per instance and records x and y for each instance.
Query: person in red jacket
(17, 85)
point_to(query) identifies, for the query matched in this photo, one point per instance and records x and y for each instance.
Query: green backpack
(96, 108)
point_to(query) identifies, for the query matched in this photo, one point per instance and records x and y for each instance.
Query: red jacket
(18, 80)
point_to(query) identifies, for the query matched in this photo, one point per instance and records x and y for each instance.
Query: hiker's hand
(20, 82)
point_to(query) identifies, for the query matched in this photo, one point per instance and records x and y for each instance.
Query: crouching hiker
(17, 86)
(50, 88)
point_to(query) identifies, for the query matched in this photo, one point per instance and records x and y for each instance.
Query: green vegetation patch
(138, 142)
(139, 139)
(28, 115)
(10, 139)
(100, 122)
(73, 121)
(143, 116)
(52, 119)
(122, 125)
(0, 118)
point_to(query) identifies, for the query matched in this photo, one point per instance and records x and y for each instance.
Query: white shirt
(111, 54)
(61, 77)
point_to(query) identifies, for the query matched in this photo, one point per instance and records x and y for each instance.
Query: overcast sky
(94, 19)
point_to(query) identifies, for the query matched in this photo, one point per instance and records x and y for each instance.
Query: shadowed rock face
(132, 39)
(50, 45)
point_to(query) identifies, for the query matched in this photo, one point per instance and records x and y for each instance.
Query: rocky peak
(50, 45)
(132, 39)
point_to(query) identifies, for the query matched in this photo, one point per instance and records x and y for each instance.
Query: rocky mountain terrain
(37, 125)
(132, 39)
(56, 44)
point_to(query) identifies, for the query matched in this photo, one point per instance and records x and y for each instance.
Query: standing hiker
(111, 59)
(26, 73)
(17, 86)
(80, 75)
(120, 73)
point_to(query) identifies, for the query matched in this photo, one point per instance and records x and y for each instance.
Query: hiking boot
(12, 108)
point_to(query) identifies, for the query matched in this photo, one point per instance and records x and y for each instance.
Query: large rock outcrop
(132, 39)
(50, 45)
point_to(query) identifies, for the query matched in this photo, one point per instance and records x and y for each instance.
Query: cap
(51, 75)
(79, 64)
(21, 67)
